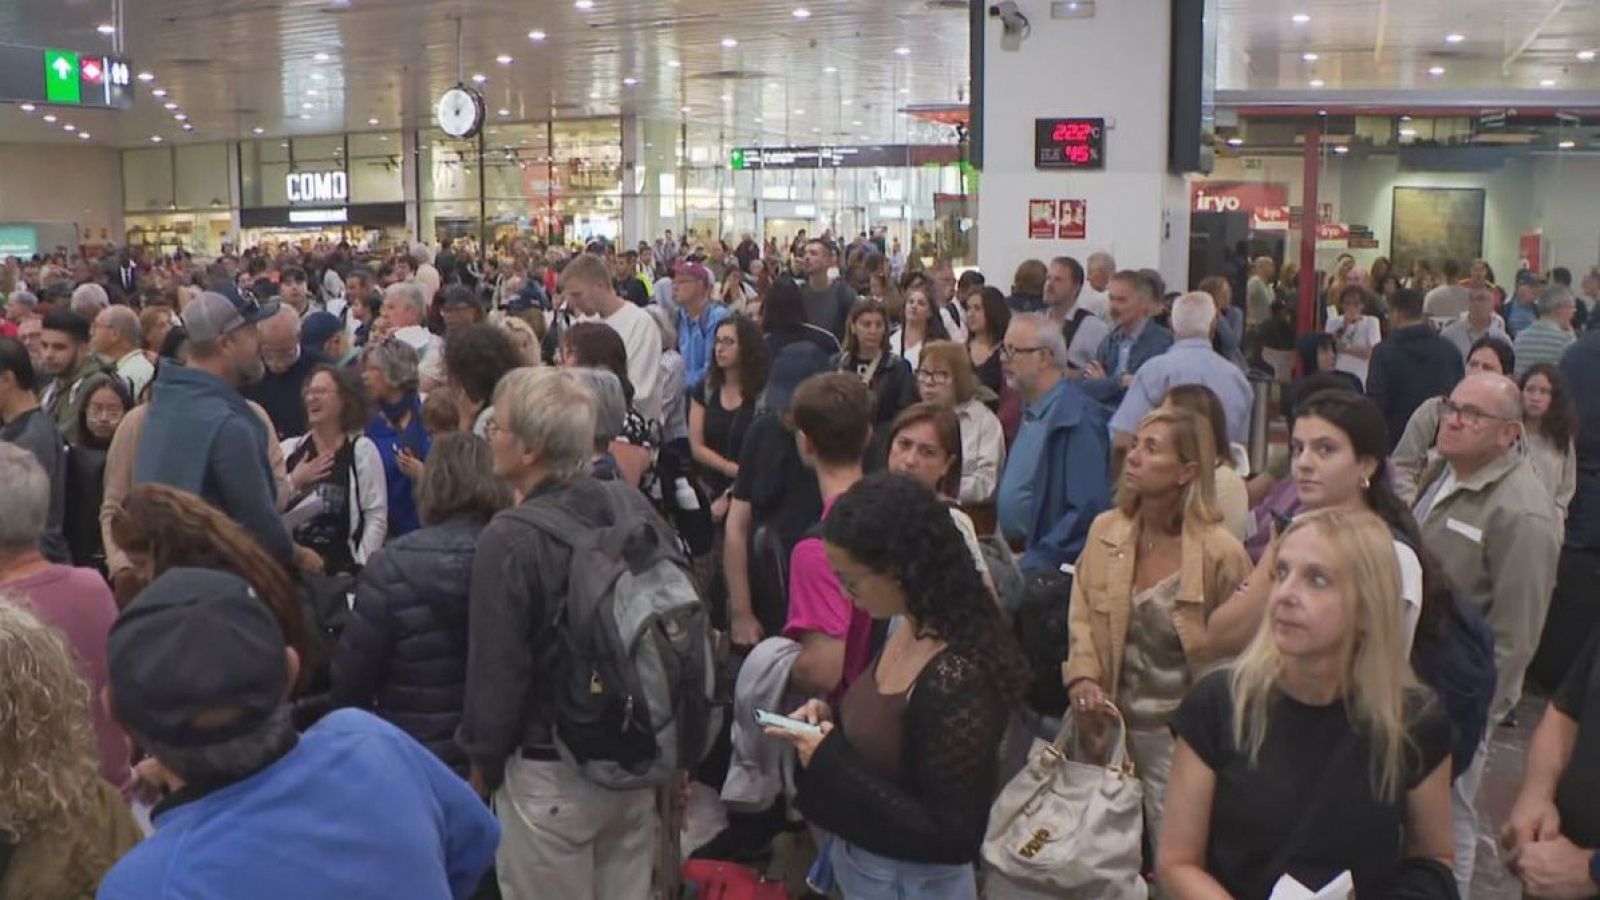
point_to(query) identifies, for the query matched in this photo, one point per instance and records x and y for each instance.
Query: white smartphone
(773, 720)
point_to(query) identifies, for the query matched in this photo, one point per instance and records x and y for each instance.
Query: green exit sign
(61, 83)
(738, 158)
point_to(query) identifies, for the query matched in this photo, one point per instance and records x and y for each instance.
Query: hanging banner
(1041, 219)
(1073, 221)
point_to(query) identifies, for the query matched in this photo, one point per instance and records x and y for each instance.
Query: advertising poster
(1073, 224)
(1041, 219)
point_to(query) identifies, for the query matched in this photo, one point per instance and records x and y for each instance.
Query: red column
(1306, 321)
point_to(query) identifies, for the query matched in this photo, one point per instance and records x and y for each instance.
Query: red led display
(1069, 143)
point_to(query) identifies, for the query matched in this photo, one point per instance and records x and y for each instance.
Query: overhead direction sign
(50, 75)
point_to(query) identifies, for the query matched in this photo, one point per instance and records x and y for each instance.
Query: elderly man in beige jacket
(1493, 525)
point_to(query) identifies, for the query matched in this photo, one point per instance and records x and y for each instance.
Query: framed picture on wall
(1435, 224)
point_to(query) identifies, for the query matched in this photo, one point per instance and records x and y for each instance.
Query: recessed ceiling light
(1405, 118)
(147, 76)
(816, 131)
(1454, 38)
(1235, 142)
(383, 137)
(1586, 55)
(630, 82)
(181, 117)
(27, 107)
(1317, 82)
(373, 120)
(830, 69)
(321, 57)
(728, 98)
(902, 51)
(306, 105)
(584, 5)
(1547, 82)
(855, 123)
(799, 112)
(188, 127)
(1309, 57)
(1436, 70)
(83, 135)
(311, 92)
(1408, 132)
(1567, 145)
(317, 76)
(305, 115)
(479, 78)
(284, 145)
(1300, 18)
(730, 43)
(155, 138)
(502, 112)
(503, 59)
(159, 92)
(847, 102)
(69, 127)
(50, 118)
(758, 120)
(536, 35)
(1341, 149)
(258, 130)
(106, 28)
(169, 106)
(685, 109)
(801, 12)
(905, 90)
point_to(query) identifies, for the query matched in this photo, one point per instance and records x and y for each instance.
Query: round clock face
(460, 112)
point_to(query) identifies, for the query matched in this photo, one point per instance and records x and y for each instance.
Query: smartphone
(772, 720)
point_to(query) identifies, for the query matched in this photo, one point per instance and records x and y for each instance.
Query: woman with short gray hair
(389, 370)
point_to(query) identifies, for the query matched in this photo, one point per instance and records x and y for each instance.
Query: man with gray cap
(1545, 340)
(200, 436)
(353, 808)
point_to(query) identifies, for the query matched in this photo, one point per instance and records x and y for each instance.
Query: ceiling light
(169, 106)
(1405, 118)
(373, 120)
(1586, 55)
(181, 117)
(1567, 145)
(830, 69)
(728, 98)
(106, 28)
(321, 57)
(1309, 57)
(1235, 142)
(311, 92)
(1547, 82)
(503, 59)
(188, 127)
(147, 76)
(305, 115)
(317, 76)
(1454, 38)
(383, 137)
(479, 78)
(159, 92)
(902, 51)
(1341, 149)
(258, 130)
(69, 127)
(758, 120)
(27, 107)
(905, 90)
(83, 135)
(684, 109)
(50, 118)
(847, 102)
(502, 112)
(155, 138)
(673, 64)
(801, 12)
(630, 82)
(799, 112)
(1408, 132)
(305, 106)
(1300, 18)
(730, 43)
(816, 131)
(583, 5)
(1317, 82)
(1436, 70)
(536, 35)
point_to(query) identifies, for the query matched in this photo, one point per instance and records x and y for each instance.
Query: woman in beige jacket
(1150, 574)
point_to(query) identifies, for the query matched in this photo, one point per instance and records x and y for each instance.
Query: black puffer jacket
(403, 654)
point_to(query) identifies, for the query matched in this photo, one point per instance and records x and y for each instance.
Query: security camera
(1010, 16)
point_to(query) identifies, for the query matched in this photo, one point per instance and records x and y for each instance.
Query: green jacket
(1498, 537)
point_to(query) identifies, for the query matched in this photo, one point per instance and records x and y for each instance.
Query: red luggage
(711, 879)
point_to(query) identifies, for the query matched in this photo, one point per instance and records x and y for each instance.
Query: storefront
(177, 198)
(339, 188)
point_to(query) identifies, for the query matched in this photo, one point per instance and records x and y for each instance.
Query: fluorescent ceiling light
(730, 43)
(1309, 57)
(321, 57)
(801, 12)
(536, 35)
(1300, 18)
(106, 28)
(1567, 145)
(1454, 38)
(503, 59)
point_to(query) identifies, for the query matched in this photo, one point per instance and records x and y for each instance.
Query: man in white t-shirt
(586, 285)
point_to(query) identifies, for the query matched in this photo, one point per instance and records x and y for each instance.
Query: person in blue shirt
(698, 318)
(1522, 309)
(1132, 297)
(353, 808)
(1055, 480)
(390, 371)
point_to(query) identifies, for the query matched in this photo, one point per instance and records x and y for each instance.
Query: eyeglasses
(1471, 416)
(1008, 351)
(932, 376)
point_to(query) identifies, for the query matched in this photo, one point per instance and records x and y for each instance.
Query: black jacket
(403, 654)
(1413, 365)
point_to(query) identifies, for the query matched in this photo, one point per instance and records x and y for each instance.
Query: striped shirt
(1542, 342)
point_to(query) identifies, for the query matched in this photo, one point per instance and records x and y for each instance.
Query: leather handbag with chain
(1065, 828)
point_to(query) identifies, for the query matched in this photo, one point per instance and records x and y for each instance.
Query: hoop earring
(1366, 483)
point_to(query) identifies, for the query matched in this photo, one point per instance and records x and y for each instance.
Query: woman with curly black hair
(902, 777)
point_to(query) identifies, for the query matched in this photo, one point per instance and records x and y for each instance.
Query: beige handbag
(1063, 828)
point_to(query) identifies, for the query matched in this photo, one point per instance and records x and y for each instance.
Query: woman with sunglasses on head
(1316, 753)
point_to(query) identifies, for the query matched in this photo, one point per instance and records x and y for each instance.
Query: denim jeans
(862, 875)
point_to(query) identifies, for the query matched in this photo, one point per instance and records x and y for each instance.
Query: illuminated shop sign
(317, 187)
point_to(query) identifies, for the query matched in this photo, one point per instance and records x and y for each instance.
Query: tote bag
(1063, 828)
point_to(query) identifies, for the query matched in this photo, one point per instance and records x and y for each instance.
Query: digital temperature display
(1069, 143)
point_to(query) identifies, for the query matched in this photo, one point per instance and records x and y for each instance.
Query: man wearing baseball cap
(698, 318)
(1522, 309)
(353, 808)
(200, 435)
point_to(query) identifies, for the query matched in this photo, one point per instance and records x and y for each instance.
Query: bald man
(1493, 525)
(117, 338)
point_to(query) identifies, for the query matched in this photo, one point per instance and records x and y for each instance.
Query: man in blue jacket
(1055, 480)
(1135, 339)
(1414, 365)
(352, 808)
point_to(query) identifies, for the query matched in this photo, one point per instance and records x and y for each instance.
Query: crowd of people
(456, 571)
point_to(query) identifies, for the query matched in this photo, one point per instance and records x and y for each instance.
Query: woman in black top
(903, 775)
(723, 408)
(105, 403)
(1317, 752)
(988, 317)
(867, 355)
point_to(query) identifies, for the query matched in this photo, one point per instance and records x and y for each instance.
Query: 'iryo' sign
(317, 187)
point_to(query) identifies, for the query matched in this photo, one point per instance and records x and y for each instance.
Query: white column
(1112, 66)
(409, 184)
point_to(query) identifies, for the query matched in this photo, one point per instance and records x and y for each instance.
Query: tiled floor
(1501, 781)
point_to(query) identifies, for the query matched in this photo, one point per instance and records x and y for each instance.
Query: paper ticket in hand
(1341, 888)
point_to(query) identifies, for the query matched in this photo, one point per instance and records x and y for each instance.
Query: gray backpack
(636, 686)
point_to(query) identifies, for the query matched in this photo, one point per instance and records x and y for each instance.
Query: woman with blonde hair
(1151, 572)
(61, 826)
(1316, 755)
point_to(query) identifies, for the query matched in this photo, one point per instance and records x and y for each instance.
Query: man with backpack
(588, 664)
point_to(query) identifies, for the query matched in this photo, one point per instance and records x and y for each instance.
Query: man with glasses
(1493, 525)
(1055, 481)
(288, 367)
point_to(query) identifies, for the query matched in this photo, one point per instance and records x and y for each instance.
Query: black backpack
(637, 698)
